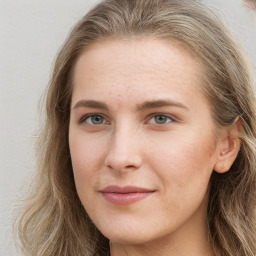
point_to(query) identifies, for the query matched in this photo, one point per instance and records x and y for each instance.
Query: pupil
(160, 119)
(97, 120)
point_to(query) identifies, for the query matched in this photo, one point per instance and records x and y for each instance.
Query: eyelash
(86, 117)
(172, 119)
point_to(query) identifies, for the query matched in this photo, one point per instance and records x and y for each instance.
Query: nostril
(130, 166)
(119, 164)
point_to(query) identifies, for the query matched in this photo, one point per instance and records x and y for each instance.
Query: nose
(124, 150)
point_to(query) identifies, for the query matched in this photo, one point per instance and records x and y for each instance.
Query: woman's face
(142, 140)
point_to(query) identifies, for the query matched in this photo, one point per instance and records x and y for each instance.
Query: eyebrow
(140, 107)
(90, 104)
(161, 103)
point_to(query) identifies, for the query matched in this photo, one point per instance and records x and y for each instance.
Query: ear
(228, 146)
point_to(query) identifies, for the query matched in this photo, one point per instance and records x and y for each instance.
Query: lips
(125, 195)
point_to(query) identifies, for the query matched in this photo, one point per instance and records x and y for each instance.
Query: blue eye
(160, 119)
(94, 120)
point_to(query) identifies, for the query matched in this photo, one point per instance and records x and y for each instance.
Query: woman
(149, 145)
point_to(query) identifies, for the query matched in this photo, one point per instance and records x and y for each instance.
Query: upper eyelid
(148, 117)
(84, 117)
(165, 115)
(174, 118)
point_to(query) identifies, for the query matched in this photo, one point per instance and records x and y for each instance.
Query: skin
(170, 148)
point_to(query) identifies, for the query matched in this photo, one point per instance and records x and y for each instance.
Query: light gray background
(31, 33)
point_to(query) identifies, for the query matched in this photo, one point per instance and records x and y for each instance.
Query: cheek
(87, 157)
(184, 172)
(183, 161)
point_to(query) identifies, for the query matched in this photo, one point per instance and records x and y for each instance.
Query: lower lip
(125, 198)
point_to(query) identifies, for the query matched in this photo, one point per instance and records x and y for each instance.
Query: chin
(129, 234)
(126, 238)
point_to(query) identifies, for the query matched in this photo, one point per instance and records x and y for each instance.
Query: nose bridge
(124, 148)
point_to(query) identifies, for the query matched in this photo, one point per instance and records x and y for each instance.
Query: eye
(93, 119)
(160, 119)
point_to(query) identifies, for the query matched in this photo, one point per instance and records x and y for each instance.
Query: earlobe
(228, 146)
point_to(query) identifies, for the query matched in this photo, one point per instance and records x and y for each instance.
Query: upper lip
(125, 190)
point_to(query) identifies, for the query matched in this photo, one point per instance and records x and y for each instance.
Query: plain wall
(31, 33)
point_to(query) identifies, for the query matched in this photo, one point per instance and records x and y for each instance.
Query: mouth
(125, 195)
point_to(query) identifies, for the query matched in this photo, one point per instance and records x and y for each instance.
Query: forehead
(147, 51)
(136, 65)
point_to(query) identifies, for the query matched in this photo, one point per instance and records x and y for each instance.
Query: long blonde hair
(53, 221)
